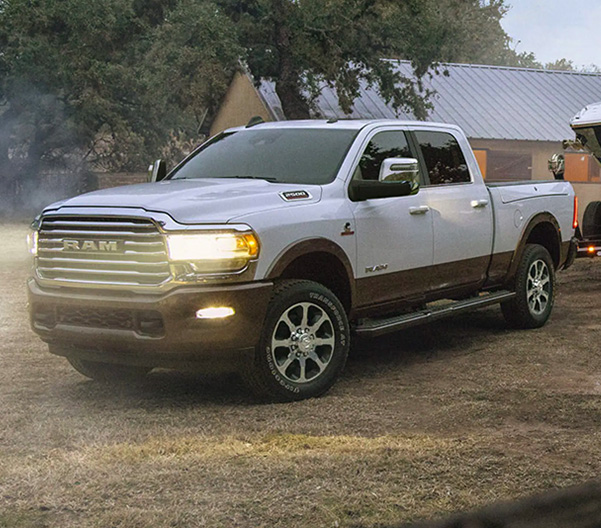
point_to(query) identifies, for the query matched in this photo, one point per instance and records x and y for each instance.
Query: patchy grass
(432, 420)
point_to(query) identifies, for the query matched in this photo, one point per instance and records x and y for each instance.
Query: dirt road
(435, 419)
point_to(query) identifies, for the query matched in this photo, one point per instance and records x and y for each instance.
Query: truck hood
(200, 201)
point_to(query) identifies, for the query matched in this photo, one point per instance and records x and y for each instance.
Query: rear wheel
(304, 344)
(108, 372)
(535, 290)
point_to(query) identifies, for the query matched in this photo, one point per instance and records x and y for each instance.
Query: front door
(394, 235)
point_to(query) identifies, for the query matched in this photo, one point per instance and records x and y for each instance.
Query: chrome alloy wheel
(302, 344)
(538, 287)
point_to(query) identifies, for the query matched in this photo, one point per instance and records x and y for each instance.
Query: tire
(535, 290)
(108, 372)
(304, 343)
(591, 220)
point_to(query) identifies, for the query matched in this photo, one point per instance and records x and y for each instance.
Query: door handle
(476, 204)
(422, 209)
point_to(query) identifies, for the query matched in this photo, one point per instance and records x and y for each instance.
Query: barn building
(515, 118)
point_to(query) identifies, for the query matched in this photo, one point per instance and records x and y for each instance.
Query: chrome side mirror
(157, 171)
(399, 169)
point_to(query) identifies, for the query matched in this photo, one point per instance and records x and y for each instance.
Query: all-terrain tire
(304, 343)
(591, 220)
(534, 285)
(108, 372)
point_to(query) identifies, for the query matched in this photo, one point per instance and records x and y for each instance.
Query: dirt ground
(436, 419)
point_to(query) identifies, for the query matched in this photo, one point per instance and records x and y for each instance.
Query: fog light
(591, 249)
(215, 312)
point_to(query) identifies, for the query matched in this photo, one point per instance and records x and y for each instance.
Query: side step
(376, 327)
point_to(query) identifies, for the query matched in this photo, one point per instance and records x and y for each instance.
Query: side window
(390, 144)
(444, 160)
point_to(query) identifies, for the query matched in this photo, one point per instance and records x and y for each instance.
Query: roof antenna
(255, 120)
(332, 120)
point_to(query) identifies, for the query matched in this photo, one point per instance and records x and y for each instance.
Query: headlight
(215, 251)
(32, 238)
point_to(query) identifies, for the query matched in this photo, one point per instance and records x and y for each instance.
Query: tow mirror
(366, 190)
(399, 169)
(398, 177)
(157, 171)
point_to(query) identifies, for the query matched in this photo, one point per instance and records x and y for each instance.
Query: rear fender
(553, 245)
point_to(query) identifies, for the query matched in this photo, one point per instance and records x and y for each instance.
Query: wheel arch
(542, 229)
(319, 260)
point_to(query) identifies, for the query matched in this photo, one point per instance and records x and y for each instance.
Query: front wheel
(535, 290)
(107, 372)
(304, 343)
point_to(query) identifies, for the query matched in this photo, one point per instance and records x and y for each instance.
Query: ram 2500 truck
(271, 246)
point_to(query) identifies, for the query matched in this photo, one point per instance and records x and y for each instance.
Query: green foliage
(560, 65)
(301, 44)
(113, 84)
(109, 83)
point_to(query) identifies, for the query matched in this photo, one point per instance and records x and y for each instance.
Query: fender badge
(347, 230)
(379, 267)
(293, 196)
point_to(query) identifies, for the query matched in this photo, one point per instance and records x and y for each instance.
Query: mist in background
(97, 87)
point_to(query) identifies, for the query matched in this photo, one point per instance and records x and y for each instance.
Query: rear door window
(443, 157)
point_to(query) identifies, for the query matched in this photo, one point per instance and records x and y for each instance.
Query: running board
(376, 327)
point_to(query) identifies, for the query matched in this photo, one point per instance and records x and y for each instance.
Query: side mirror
(366, 190)
(157, 171)
(399, 169)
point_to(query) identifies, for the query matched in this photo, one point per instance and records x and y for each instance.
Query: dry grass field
(440, 418)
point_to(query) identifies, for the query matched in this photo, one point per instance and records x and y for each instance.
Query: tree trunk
(8, 181)
(288, 85)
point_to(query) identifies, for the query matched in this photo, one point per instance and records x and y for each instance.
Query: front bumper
(152, 330)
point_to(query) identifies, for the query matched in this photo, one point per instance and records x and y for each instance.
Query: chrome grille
(102, 251)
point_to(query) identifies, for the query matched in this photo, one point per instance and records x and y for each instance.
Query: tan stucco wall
(540, 151)
(241, 102)
(587, 193)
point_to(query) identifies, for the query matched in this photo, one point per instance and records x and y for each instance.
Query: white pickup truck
(272, 245)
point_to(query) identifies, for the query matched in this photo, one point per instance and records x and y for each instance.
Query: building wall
(241, 102)
(540, 151)
(587, 193)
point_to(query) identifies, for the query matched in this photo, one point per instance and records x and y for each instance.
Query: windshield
(285, 155)
(590, 137)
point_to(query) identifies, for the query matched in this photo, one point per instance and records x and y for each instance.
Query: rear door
(461, 213)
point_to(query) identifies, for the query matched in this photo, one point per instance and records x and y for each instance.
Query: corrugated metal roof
(488, 102)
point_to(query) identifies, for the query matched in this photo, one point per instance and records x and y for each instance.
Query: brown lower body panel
(407, 289)
(152, 330)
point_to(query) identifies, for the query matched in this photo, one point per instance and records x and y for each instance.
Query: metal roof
(487, 102)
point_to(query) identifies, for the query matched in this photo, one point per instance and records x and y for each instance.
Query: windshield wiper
(266, 178)
(236, 177)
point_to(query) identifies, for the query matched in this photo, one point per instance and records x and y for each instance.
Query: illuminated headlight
(215, 251)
